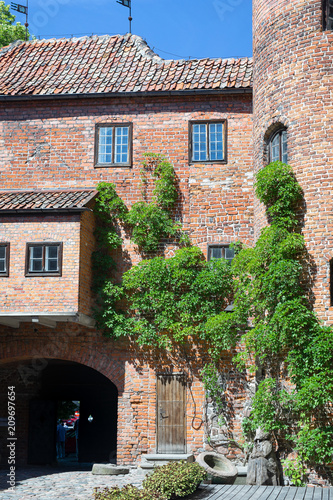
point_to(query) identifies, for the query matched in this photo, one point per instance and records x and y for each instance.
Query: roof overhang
(50, 320)
(44, 211)
(110, 95)
(56, 201)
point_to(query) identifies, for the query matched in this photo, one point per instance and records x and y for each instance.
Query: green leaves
(150, 224)
(152, 221)
(173, 298)
(286, 336)
(176, 479)
(9, 32)
(278, 189)
(165, 301)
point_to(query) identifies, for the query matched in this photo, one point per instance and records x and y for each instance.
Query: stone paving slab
(45, 483)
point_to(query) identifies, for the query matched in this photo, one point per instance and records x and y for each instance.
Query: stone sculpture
(262, 467)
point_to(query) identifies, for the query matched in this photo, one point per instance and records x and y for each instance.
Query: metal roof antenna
(127, 3)
(22, 9)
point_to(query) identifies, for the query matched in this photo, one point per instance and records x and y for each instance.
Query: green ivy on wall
(272, 294)
(162, 301)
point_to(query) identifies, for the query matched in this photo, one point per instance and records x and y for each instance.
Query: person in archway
(61, 438)
(76, 429)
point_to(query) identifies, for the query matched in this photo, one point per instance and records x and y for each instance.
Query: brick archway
(41, 386)
(92, 351)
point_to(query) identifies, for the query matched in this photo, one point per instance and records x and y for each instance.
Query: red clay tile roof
(110, 64)
(60, 200)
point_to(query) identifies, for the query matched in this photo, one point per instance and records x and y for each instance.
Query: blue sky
(175, 28)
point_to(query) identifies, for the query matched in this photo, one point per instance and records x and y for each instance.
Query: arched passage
(38, 397)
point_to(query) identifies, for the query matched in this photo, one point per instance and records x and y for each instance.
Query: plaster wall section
(293, 83)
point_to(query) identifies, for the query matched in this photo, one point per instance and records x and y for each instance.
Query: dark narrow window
(44, 259)
(207, 141)
(220, 252)
(328, 14)
(277, 146)
(4, 259)
(331, 282)
(113, 145)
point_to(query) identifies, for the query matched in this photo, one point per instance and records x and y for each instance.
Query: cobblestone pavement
(45, 483)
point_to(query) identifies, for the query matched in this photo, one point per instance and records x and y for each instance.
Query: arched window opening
(277, 146)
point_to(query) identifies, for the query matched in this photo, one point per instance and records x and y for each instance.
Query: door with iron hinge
(171, 405)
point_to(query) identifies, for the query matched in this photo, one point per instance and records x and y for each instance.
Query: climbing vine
(286, 338)
(165, 301)
(168, 300)
(151, 221)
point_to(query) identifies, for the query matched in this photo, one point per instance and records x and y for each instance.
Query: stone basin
(218, 465)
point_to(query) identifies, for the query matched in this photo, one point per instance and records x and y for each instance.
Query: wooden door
(171, 413)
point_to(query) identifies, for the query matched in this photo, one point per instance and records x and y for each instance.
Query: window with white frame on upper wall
(216, 251)
(327, 15)
(208, 141)
(4, 259)
(113, 145)
(44, 259)
(278, 146)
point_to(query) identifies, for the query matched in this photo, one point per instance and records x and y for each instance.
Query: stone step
(109, 469)
(152, 460)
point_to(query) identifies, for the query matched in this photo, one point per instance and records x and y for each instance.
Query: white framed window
(113, 144)
(207, 141)
(4, 259)
(44, 259)
(216, 251)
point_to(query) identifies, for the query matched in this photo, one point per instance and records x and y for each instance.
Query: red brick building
(293, 49)
(60, 101)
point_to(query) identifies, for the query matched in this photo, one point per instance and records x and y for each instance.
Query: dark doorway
(97, 435)
(42, 430)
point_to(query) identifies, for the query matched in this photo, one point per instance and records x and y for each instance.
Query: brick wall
(26, 352)
(87, 245)
(293, 86)
(35, 294)
(50, 144)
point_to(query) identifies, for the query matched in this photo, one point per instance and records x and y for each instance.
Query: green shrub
(295, 471)
(126, 493)
(176, 479)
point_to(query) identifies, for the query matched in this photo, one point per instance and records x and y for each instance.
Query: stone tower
(293, 117)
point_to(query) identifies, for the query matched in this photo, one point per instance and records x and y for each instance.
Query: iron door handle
(162, 415)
